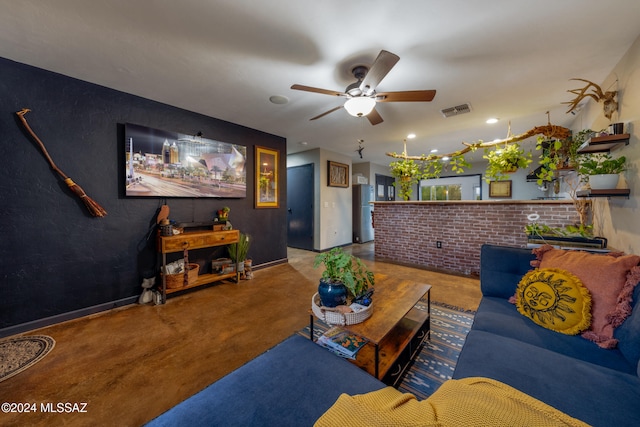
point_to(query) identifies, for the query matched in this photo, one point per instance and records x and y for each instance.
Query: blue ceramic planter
(332, 294)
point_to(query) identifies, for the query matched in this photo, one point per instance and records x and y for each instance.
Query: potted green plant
(601, 170)
(576, 142)
(344, 278)
(502, 161)
(409, 173)
(238, 251)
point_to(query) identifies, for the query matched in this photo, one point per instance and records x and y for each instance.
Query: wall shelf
(604, 144)
(615, 192)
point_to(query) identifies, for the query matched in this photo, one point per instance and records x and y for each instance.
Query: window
(465, 187)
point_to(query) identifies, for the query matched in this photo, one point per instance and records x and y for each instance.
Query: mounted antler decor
(610, 105)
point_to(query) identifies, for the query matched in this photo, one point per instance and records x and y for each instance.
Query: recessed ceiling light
(411, 136)
(278, 99)
(435, 150)
(445, 158)
(303, 142)
(492, 120)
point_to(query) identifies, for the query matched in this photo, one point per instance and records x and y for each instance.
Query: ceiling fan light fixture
(359, 106)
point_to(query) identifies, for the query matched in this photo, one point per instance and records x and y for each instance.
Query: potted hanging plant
(553, 156)
(409, 173)
(502, 161)
(601, 170)
(575, 143)
(344, 279)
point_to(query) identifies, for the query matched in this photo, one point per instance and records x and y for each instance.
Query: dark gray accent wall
(54, 257)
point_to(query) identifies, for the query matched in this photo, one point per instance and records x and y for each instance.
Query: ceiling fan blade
(380, 68)
(374, 117)
(317, 90)
(326, 112)
(406, 96)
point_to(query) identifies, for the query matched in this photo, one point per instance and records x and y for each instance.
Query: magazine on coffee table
(342, 342)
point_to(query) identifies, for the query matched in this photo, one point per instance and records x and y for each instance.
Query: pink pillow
(605, 275)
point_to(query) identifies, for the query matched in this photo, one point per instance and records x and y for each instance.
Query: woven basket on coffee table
(328, 315)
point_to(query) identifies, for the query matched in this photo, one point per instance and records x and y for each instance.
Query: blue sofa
(292, 384)
(600, 387)
(295, 382)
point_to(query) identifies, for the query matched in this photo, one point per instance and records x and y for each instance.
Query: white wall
(332, 211)
(370, 170)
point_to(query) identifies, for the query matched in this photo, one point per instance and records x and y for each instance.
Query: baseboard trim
(59, 318)
(270, 264)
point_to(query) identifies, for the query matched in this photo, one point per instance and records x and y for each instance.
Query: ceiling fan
(362, 96)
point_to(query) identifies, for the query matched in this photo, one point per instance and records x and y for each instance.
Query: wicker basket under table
(175, 281)
(336, 318)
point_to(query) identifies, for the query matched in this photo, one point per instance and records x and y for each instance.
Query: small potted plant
(345, 277)
(601, 170)
(505, 160)
(238, 251)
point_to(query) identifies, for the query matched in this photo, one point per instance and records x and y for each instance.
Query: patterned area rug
(437, 360)
(20, 353)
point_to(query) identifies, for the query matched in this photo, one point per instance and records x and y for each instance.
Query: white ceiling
(510, 59)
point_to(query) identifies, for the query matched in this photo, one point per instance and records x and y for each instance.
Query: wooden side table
(196, 240)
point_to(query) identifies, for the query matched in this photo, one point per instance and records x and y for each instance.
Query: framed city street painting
(338, 174)
(266, 178)
(161, 163)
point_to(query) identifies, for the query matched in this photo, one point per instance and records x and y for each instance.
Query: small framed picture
(266, 178)
(338, 174)
(500, 189)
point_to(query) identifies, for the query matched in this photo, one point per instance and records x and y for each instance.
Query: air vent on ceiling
(457, 110)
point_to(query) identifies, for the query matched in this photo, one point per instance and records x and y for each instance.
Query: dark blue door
(300, 195)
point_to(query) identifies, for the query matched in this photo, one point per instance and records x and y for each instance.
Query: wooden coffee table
(396, 330)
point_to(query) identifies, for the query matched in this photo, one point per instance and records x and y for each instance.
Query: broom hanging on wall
(92, 206)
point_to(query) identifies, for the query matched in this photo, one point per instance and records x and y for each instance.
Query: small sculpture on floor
(147, 290)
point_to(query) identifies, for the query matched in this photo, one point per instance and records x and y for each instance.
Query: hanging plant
(507, 159)
(553, 155)
(458, 163)
(432, 167)
(576, 142)
(409, 173)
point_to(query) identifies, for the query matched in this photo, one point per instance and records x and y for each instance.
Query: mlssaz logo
(63, 407)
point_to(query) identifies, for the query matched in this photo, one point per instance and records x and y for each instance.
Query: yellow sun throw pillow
(555, 299)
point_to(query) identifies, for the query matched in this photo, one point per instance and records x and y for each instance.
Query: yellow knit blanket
(466, 402)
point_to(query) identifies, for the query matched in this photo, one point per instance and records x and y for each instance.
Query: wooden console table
(195, 240)
(396, 330)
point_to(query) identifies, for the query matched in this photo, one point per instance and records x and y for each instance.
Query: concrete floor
(131, 364)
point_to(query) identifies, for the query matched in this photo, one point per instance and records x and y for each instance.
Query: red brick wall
(407, 232)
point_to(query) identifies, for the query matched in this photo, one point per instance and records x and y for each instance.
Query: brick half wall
(408, 232)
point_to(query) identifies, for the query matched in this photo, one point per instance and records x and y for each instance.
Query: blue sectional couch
(600, 387)
(294, 383)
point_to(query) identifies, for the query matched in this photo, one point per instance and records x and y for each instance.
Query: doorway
(300, 199)
(385, 190)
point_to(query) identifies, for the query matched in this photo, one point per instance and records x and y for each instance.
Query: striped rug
(437, 360)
